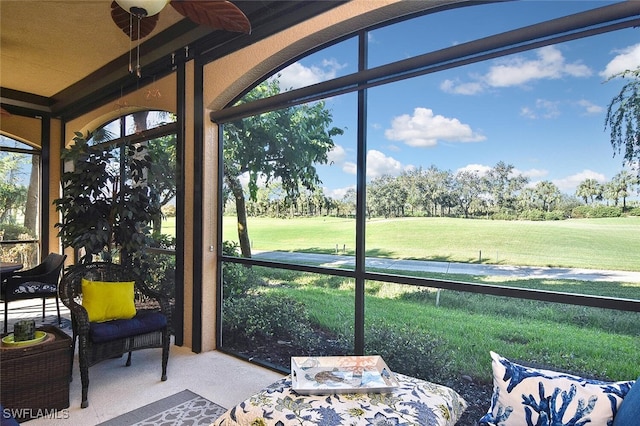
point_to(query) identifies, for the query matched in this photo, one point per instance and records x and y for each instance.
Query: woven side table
(34, 379)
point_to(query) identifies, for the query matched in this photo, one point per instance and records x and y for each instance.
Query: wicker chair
(40, 282)
(99, 341)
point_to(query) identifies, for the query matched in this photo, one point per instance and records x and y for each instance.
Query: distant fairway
(611, 243)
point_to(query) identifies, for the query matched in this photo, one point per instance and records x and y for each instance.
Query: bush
(634, 211)
(580, 212)
(554, 215)
(407, 351)
(237, 280)
(253, 321)
(605, 211)
(12, 232)
(532, 214)
(594, 212)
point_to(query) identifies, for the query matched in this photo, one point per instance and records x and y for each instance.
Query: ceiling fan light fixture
(142, 8)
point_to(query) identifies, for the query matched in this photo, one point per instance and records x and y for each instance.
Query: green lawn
(593, 341)
(611, 243)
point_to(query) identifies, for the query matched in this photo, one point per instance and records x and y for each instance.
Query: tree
(504, 186)
(281, 146)
(13, 195)
(468, 188)
(33, 197)
(548, 194)
(589, 189)
(623, 118)
(621, 186)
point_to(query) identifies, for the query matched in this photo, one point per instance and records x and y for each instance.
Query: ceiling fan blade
(218, 14)
(122, 19)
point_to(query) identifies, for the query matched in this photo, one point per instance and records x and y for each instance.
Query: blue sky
(541, 111)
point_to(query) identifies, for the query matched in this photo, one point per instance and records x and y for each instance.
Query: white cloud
(531, 173)
(424, 129)
(350, 168)
(542, 109)
(297, 75)
(379, 164)
(589, 107)
(626, 59)
(549, 63)
(527, 113)
(337, 155)
(570, 183)
(471, 88)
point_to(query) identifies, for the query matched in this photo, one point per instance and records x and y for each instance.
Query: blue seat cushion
(629, 411)
(143, 322)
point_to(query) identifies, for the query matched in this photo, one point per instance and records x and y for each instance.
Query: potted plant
(103, 213)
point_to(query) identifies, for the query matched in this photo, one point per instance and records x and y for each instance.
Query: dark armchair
(146, 327)
(40, 282)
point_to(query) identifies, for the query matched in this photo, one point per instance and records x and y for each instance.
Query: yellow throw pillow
(105, 301)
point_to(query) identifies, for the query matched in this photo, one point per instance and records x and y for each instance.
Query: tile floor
(115, 389)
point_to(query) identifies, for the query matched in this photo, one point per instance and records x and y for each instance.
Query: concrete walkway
(453, 268)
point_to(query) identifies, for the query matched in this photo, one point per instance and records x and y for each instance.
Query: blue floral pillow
(530, 396)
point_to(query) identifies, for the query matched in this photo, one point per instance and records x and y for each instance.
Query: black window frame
(596, 21)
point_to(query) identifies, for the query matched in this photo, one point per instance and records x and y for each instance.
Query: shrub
(15, 232)
(580, 212)
(554, 215)
(407, 351)
(605, 211)
(532, 214)
(253, 321)
(237, 280)
(596, 212)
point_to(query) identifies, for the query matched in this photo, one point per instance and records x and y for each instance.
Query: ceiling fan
(138, 18)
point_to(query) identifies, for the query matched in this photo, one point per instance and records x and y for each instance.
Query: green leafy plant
(102, 213)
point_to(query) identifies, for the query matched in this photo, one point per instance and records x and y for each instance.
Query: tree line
(498, 193)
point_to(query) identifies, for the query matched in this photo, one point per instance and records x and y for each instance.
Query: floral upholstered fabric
(414, 402)
(34, 287)
(525, 396)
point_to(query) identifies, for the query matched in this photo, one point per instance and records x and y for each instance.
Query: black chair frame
(40, 282)
(91, 353)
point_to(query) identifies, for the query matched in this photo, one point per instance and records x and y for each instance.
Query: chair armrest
(79, 315)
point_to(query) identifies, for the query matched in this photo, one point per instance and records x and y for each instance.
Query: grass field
(611, 243)
(598, 342)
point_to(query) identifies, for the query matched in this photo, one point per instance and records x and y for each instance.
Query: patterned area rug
(183, 408)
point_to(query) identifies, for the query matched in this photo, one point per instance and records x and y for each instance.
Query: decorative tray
(341, 374)
(8, 340)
